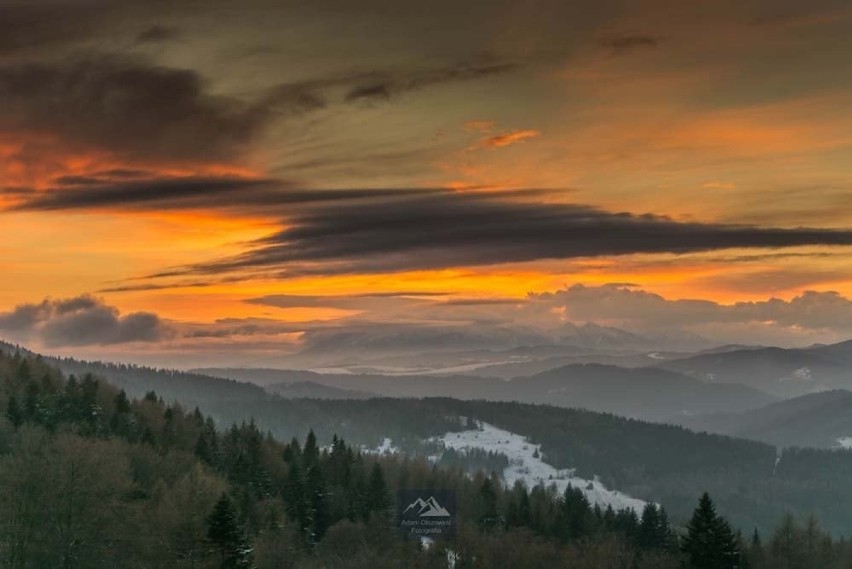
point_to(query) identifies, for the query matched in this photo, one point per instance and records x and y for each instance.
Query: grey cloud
(153, 286)
(637, 308)
(436, 229)
(127, 106)
(378, 86)
(80, 321)
(163, 193)
(174, 193)
(27, 27)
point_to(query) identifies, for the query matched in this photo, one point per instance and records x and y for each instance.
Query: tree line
(95, 478)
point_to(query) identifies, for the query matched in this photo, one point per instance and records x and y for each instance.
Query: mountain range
(782, 372)
(821, 419)
(647, 393)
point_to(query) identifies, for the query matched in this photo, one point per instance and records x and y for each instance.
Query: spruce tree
(379, 498)
(318, 517)
(574, 516)
(14, 413)
(654, 530)
(310, 454)
(225, 533)
(489, 517)
(649, 527)
(710, 543)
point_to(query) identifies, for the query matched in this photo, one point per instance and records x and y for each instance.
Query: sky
(230, 180)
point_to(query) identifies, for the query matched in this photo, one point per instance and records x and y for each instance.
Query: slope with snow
(526, 465)
(385, 447)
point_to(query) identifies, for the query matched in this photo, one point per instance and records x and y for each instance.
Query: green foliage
(710, 543)
(94, 478)
(226, 534)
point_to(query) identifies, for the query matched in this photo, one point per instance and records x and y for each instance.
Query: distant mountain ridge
(813, 420)
(784, 372)
(413, 346)
(647, 393)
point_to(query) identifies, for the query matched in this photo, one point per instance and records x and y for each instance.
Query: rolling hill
(815, 420)
(647, 393)
(783, 372)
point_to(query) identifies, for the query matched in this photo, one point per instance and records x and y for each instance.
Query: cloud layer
(126, 106)
(79, 321)
(438, 229)
(631, 306)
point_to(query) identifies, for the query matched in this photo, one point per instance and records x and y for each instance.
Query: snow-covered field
(386, 447)
(532, 470)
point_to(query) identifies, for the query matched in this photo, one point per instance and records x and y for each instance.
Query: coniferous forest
(93, 478)
(754, 484)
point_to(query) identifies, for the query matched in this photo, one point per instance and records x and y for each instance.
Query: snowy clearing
(386, 447)
(526, 467)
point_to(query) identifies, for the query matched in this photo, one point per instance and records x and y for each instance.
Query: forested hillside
(784, 372)
(814, 420)
(93, 479)
(661, 463)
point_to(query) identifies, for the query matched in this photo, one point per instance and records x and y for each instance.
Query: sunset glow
(519, 158)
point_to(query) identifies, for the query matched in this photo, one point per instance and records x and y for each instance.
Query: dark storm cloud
(162, 193)
(140, 110)
(445, 229)
(80, 321)
(191, 192)
(127, 106)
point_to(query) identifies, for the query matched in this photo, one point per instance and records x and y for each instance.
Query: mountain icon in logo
(427, 508)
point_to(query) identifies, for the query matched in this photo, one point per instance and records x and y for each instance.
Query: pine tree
(654, 530)
(649, 527)
(574, 516)
(318, 517)
(379, 498)
(292, 452)
(122, 403)
(31, 402)
(310, 454)
(14, 413)
(202, 449)
(666, 536)
(295, 499)
(225, 533)
(489, 517)
(710, 543)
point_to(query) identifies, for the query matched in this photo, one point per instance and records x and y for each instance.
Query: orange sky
(725, 116)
